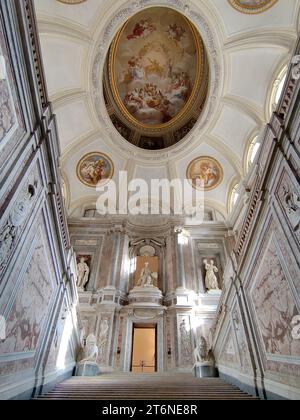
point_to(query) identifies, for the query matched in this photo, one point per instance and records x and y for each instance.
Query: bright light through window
(255, 149)
(234, 196)
(252, 152)
(280, 89)
(64, 345)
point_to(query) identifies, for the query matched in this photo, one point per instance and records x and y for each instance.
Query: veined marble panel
(275, 304)
(11, 122)
(228, 355)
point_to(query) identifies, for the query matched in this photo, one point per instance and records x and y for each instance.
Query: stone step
(167, 386)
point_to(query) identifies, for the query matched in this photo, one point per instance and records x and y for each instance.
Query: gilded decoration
(252, 6)
(157, 77)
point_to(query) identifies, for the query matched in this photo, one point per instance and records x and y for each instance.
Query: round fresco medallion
(95, 168)
(252, 6)
(205, 173)
(155, 64)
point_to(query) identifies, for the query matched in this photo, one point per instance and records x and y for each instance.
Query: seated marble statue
(90, 352)
(147, 278)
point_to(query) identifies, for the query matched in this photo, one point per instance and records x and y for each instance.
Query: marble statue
(147, 278)
(211, 281)
(83, 273)
(201, 352)
(90, 353)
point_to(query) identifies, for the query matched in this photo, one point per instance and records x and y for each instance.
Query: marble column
(181, 280)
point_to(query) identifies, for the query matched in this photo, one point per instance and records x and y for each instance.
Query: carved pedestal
(87, 369)
(205, 370)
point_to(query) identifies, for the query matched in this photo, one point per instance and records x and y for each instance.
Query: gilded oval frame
(252, 10)
(91, 154)
(200, 61)
(215, 162)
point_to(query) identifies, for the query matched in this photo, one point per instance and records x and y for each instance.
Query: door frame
(141, 326)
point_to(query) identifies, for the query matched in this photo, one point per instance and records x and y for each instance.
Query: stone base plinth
(87, 369)
(148, 294)
(205, 371)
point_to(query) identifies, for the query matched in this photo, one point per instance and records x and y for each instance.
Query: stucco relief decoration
(252, 6)
(10, 231)
(205, 173)
(291, 201)
(103, 338)
(241, 340)
(185, 341)
(26, 317)
(228, 354)
(275, 306)
(7, 111)
(95, 168)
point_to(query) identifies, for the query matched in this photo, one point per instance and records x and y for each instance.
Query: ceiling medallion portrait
(252, 6)
(157, 78)
(95, 168)
(205, 173)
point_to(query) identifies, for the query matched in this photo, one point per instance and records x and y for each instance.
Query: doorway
(144, 349)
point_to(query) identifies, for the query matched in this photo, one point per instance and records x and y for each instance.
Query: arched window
(277, 89)
(253, 149)
(234, 197)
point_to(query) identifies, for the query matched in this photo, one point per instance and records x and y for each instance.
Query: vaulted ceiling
(246, 52)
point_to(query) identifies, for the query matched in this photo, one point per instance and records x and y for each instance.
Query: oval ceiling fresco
(157, 74)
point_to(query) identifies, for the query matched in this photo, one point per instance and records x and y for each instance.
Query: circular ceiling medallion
(95, 168)
(252, 6)
(205, 173)
(157, 78)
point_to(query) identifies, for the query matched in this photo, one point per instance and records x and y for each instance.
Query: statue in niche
(211, 281)
(147, 278)
(202, 354)
(83, 272)
(90, 352)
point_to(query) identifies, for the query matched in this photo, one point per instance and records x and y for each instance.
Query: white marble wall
(255, 340)
(37, 290)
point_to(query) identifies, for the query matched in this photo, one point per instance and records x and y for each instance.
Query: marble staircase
(123, 386)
